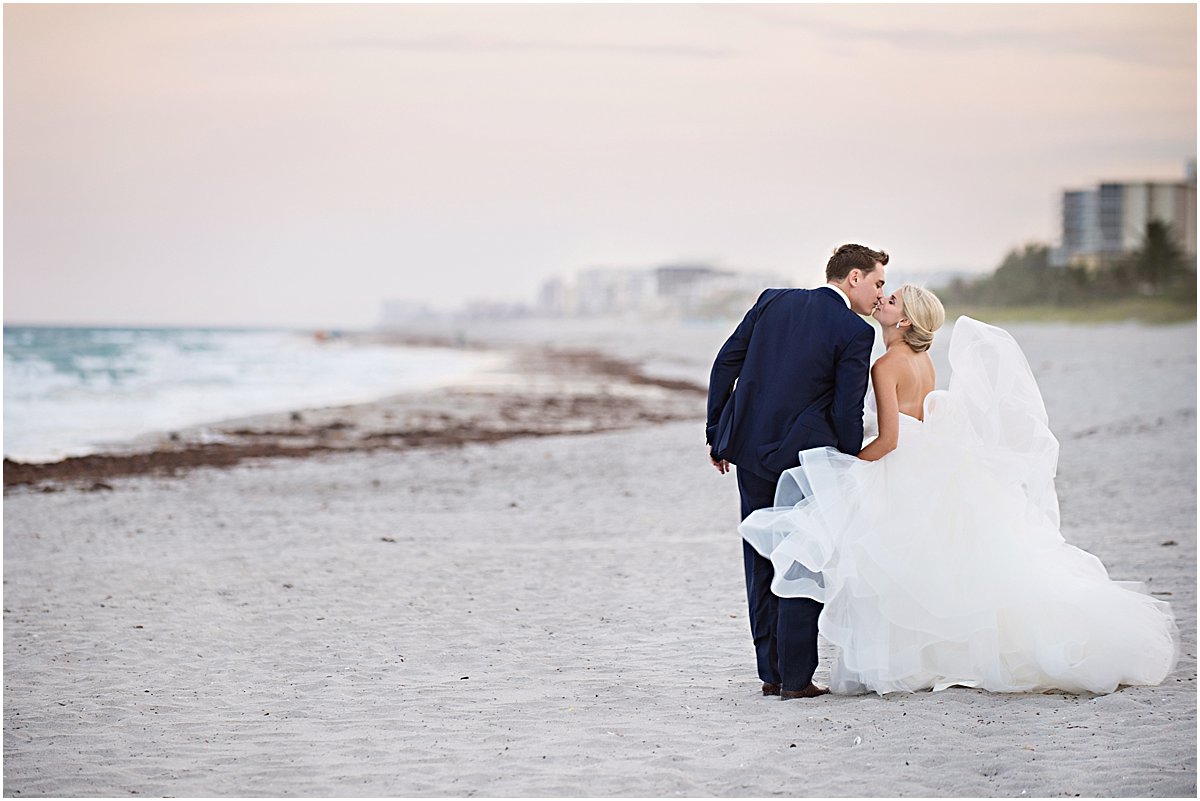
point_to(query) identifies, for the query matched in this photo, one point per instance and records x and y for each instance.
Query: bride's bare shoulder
(885, 367)
(890, 360)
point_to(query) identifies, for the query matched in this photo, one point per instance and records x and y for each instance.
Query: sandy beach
(531, 585)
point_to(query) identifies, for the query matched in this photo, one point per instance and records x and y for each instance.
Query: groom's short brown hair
(849, 257)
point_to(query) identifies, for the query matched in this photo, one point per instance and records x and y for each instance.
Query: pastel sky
(300, 164)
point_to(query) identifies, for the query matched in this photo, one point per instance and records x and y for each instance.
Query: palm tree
(1160, 259)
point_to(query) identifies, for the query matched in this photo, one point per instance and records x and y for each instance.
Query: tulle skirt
(942, 563)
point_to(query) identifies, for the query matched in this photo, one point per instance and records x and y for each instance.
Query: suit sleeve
(727, 367)
(849, 391)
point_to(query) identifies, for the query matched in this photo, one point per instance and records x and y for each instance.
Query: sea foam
(75, 391)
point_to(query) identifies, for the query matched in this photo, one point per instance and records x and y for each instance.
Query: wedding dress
(942, 563)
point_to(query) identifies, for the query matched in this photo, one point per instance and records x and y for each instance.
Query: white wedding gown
(942, 563)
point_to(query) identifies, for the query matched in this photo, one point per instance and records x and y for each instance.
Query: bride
(937, 551)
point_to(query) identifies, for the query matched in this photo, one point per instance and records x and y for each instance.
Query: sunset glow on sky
(300, 164)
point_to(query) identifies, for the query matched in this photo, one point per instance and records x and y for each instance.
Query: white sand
(555, 616)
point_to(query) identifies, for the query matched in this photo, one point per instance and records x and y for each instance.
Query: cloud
(455, 44)
(1155, 36)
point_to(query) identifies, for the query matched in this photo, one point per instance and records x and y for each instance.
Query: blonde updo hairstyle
(925, 315)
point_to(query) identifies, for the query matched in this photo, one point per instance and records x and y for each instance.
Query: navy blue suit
(800, 359)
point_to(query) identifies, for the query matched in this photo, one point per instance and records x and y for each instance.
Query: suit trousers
(784, 629)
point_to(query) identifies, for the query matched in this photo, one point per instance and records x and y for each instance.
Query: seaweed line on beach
(548, 392)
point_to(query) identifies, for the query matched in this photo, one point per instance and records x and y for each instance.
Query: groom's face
(866, 289)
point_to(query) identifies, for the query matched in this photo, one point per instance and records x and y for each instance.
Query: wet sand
(539, 391)
(560, 614)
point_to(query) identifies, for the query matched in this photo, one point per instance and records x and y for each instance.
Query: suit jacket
(800, 359)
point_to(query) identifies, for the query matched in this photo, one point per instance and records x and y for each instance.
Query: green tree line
(1159, 267)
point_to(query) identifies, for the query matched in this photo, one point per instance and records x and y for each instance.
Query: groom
(800, 359)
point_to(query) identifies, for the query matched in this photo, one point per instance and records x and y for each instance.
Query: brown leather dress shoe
(771, 689)
(811, 691)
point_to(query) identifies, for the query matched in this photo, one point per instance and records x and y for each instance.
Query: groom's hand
(721, 465)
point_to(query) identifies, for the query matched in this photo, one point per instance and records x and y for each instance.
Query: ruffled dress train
(942, 563)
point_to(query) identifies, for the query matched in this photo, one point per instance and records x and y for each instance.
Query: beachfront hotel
(674, 289)
(1108, 221)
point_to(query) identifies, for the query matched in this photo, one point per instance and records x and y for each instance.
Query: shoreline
(163, 391)
(540, 391)
(1143, 311)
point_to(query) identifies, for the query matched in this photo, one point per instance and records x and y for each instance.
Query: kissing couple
(922, 541)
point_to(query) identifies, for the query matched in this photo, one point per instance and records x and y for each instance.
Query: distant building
(933, 280)
(1081, 222)
(680, 280)
(493, 310)
(602, 291)
(1103, 223)
(674, 289)
(557, 298)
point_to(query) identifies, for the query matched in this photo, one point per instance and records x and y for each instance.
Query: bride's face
(889, 311)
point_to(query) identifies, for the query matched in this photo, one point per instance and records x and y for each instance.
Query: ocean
(76, 391)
